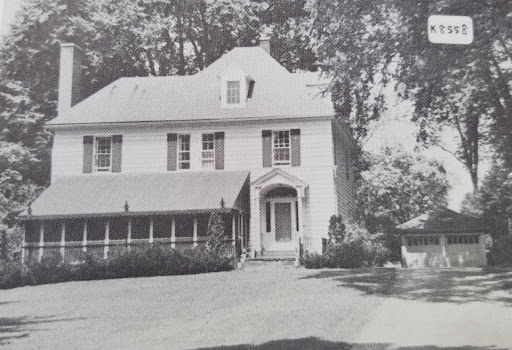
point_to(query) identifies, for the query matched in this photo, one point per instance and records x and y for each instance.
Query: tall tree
(399, 186)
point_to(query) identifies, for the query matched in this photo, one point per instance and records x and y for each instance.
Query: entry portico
(277, 201)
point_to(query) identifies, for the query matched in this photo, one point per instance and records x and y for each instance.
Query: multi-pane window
(233, 92)
(102, 153)
(208, 151)
(412, 241)
(183, 151)
(281, 147)
(462, 239)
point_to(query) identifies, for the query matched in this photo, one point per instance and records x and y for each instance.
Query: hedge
(145, 262)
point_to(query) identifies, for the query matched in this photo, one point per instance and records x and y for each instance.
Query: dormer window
(235, 85)
(233, 92)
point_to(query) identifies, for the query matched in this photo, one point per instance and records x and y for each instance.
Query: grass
(280, 308)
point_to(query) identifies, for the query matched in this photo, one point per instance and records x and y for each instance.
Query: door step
(272, 259)
(268, 263)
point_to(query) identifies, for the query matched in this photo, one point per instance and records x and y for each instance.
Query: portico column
(300, 208)
(63, 239)
(107, 239)
(255, 239)
(41, 241)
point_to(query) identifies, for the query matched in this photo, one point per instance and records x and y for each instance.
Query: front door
(283, 222)
(280, 231)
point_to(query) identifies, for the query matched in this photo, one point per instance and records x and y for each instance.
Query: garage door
(464, 250)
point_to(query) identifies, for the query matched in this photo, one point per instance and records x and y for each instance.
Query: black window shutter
(88, 154)
(172, 151)
(266, 136)
(219, 150)
(295, 146)
(117, 149)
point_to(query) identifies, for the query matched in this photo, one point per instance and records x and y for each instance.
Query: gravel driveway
(267, 308)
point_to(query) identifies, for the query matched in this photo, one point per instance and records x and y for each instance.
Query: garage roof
(107, 194)
(443, 220)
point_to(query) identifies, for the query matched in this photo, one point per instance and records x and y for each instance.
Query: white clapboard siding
(145, 147)
(344, 174)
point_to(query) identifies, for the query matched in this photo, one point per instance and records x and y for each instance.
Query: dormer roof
(277, 94)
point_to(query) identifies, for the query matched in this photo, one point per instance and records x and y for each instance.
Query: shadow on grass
(431, 285)
(12, 328)
(312, 343)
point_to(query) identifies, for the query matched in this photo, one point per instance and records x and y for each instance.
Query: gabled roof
(443, 220)
(277, 94)
(106, 194)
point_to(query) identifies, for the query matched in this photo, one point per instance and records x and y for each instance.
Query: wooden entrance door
(283, 221)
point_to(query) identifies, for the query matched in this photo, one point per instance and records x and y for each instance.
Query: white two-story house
(148, 159)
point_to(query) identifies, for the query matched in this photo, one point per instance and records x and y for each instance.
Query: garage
(443, 238)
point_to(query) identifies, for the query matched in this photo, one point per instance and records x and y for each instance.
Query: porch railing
(77, 251)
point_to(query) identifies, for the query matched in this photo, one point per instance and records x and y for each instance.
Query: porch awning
(112, 194)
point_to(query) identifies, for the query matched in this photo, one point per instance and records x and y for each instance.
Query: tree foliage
(463, 87)
(398, 187)
(216, 236)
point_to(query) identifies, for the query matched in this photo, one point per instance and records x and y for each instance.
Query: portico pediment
(278, 177)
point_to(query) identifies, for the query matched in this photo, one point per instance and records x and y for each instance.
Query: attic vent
(250, 89)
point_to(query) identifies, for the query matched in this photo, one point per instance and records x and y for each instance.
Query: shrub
(147, 261)
(313, 261)
(358, 248)
(500, 253)
(51, 269)
(336, 229)
(215, 243)
(14, 274)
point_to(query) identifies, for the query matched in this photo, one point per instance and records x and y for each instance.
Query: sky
(7, 12)
(395, 128)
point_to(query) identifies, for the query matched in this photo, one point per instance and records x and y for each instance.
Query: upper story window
(281, 147)
(233, 92)
(208, 151)
(103, 153)
(183, 151)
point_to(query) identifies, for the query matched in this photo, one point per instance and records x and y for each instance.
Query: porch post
(23, 245)
(63, 239)
(242, 231)
(173, 233)
(107, 239)
(41, 241)
(194, 235)
(129, 234)
(84, 239)
(233, 228)
(151, 230)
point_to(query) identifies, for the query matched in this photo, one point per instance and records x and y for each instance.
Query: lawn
(267, 308)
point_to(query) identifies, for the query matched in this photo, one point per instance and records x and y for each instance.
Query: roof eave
(126, 214)
(62, 126)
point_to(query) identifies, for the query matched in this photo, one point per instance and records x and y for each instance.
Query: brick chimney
(70, 72)
(265, 43)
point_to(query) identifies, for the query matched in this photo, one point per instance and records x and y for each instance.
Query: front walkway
(278, 308)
